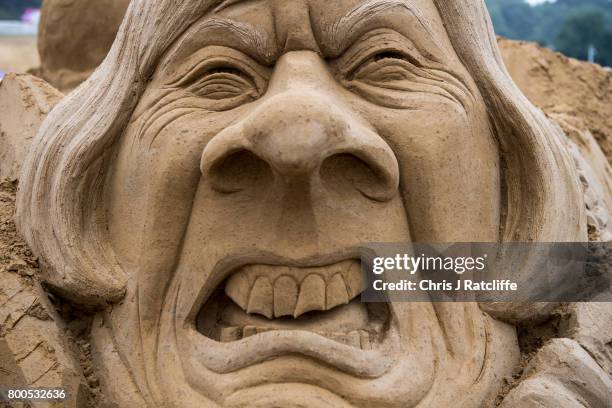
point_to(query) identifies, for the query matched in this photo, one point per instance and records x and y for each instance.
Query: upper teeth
(275, 291)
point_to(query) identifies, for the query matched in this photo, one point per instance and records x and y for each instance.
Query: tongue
(345, 318)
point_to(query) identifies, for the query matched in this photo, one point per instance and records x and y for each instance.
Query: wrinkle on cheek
(406, 86)
(169, 177)
(154, 188)
(164, 107)
(162, 110)
(455, 86)
(165, 127)
(448, 168)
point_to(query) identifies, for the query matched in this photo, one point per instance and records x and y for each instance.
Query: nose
(301, 135)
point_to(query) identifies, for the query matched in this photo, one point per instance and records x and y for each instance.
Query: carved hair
(60, 201)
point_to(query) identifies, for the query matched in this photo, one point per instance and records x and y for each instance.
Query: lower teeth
(221, 320)
(355, 338)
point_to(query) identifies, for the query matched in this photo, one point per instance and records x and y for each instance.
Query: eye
(220, 82)
(386, 65)
(220, 78)
(394, 55)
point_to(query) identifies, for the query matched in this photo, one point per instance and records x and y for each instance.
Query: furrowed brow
(245, 37)
(342, 32)
(227, 3)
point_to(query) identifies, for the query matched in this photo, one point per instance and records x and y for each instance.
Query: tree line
(569, 26)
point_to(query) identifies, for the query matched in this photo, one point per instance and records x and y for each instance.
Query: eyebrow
(245, 37)
(351, 23)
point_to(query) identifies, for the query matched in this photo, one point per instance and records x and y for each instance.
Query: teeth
(260, 300)
(285, 296)
(356, 338)
(237, 289)
(253, 330)
(336, 293)
(364, 339)
(352, 278)
(312, 295)
(350, 339)
(263, 329)
(249, 331)
(275, 291)
(230, 334)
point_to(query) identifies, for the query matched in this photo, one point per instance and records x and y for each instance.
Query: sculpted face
(273, 139)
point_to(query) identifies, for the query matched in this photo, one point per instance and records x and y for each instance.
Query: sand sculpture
(74, 37)
(204, 193)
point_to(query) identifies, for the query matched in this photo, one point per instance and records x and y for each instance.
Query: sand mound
(561, 85)
(74, 37)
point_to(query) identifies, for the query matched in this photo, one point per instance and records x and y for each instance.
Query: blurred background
(18, 27)
(578, 28)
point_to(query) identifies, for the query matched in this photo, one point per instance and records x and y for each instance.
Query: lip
(227, 357)
(224, 358)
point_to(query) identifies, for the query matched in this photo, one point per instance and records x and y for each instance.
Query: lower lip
(223, 358)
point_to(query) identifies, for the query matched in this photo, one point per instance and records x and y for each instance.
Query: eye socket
(390, 61)
(221, 82)
(221, 78)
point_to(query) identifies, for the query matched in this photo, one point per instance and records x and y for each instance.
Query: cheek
(153, 183)
(449, 171)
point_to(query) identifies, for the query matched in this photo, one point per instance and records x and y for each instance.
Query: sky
(534, 2)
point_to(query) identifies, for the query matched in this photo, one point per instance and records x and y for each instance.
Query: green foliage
(569, 26)
(512, 18)
(580, 28)
(13, 9)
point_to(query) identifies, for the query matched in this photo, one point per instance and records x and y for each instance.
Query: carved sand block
(36, 349)
(551, 379)
(25, 101)
(206, 191)
(74, 37)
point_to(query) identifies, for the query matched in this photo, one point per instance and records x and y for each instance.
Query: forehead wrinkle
(227, 3)
(251, 38)
(336, 33)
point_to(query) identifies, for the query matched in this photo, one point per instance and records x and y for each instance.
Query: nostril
(238, 171)
(345, 171)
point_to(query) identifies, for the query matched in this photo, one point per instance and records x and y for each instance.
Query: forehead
(266, 29)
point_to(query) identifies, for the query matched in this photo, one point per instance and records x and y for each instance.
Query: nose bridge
(302, 70)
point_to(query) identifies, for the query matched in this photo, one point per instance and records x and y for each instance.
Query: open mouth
(323, 300)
